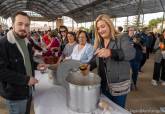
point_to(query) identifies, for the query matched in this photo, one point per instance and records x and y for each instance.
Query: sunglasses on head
(62, 30)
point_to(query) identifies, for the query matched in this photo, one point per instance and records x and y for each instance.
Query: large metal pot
(83, 92)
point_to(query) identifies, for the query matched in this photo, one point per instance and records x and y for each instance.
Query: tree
(136, 21)
(91, 27)
(126, 24)
(153, 22)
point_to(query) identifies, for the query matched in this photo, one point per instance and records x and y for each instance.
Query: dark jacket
(118, 67)
(13, 78)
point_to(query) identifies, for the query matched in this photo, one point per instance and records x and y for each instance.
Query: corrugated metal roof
(81, 10)
(119, 8)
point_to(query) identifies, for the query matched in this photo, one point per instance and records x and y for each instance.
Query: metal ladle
(84, 67)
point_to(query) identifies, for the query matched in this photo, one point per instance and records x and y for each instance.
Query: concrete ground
(146, 100)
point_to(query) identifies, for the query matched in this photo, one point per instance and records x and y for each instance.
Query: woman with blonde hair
(107, 20)
(113, 53)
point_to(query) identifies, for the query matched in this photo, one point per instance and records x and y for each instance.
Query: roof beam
(15, 9)
(41, 6)
(162, 5)
(84, 7)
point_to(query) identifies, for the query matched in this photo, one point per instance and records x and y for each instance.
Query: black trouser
(157, 68)
(147, 53)
(28, 107)
(144, 58)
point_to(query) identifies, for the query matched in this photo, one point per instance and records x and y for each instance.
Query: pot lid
(64, 68)
(77, 78)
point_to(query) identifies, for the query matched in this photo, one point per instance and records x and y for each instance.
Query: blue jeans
(120, 100)
(16, 106)
(135, 69)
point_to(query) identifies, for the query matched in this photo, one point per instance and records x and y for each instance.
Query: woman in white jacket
(83, 51)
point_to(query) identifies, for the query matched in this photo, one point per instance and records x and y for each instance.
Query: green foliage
(153, 23)
(91, 27)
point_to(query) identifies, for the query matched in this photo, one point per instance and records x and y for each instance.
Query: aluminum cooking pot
(83, 92)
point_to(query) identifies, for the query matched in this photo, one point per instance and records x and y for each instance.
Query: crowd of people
(116, 53)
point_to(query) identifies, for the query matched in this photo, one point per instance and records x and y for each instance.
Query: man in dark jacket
(17, 66)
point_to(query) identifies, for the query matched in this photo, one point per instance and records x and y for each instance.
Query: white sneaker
(154, 83)
(163, 83)
(162, 109)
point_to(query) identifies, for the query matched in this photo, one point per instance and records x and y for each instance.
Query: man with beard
(17, 66)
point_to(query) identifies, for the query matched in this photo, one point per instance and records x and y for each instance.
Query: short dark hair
(86, 35)
(73, 34)
(120, 28)
(19, 13)
(63, 28)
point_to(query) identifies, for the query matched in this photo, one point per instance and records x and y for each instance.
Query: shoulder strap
(116, 42)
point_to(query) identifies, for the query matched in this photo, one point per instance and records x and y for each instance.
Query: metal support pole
(5, 21)
(138, 18)
(163, 14)
(163, 21)
(143, 21)
(93, 26)
(138, 21)
(115, 22)
(139, 11)
(53, 25)
(0, 20)
(93, 16)
(72, 24)
(127, 21)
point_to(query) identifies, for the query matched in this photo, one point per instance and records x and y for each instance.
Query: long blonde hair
(108, 21)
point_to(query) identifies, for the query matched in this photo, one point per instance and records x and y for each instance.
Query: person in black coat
(17, 66)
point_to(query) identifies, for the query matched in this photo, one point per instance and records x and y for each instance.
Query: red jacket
(46, 39)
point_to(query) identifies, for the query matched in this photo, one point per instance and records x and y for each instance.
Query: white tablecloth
(51, 99)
